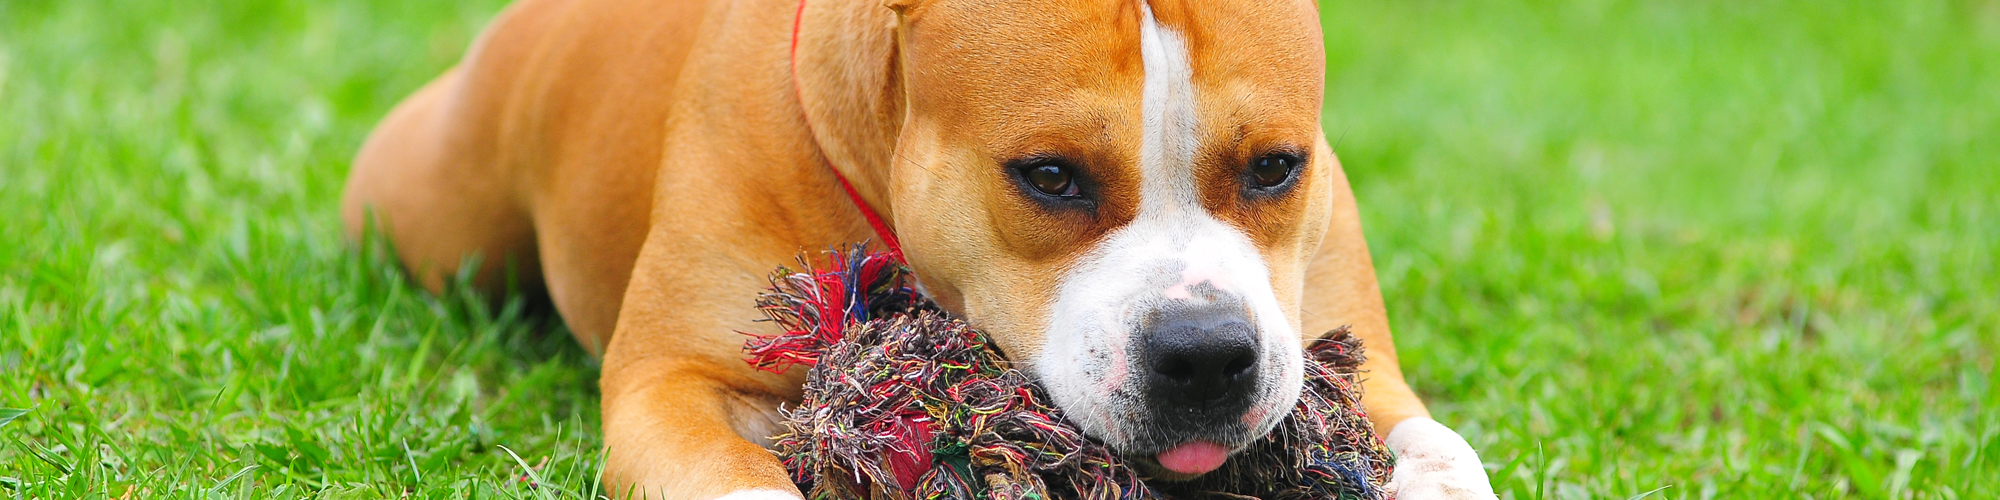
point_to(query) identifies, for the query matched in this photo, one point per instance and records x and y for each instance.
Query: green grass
(1738, 249)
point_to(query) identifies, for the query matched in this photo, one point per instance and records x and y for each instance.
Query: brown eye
(1271, 171)
(1050, 179)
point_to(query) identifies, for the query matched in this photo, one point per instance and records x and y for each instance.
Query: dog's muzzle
(1169, 345)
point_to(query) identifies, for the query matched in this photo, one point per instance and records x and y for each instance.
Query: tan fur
(651, 160)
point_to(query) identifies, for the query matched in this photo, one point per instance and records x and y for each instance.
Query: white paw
(1434, 463)
(761, 495)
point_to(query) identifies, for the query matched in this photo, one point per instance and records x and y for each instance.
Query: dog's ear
(902, 7)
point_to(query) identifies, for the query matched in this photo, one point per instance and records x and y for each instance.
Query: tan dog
(1133, 197)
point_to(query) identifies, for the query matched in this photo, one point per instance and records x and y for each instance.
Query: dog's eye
(1272, 170)
(1051, 179)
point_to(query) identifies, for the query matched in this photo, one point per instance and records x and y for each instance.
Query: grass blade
(9, 414)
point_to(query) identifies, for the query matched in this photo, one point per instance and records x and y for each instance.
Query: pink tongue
(1196, 457)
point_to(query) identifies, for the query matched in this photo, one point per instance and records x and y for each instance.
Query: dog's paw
(761, 494)
(1434, 463)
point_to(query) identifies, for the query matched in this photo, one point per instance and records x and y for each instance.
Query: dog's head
(1124, 194)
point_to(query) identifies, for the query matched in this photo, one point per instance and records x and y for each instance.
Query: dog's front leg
(1433, 462)
(681, 407)
(671, 432)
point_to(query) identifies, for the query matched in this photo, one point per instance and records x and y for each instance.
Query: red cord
(875, 221)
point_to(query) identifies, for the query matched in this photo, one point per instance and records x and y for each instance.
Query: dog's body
(1071, 178)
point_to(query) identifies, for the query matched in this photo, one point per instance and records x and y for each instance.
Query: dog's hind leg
(430, 181)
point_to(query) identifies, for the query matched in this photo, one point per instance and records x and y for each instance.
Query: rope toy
(903, 402)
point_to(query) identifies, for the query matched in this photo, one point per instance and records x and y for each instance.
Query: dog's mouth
(1176, 422)
(1184, 462)
(1193, 458)
(1187, 443)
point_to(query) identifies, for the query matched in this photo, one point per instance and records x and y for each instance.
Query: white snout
(1089, 364)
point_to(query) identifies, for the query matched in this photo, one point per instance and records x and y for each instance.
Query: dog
(1134, 198)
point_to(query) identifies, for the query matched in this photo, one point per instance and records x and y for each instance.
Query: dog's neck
(847, 73)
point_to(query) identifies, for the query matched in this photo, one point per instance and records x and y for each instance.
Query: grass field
(1731, 249)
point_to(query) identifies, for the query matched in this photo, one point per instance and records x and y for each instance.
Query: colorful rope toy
(903, 402)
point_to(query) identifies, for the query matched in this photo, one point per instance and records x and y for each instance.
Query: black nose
(1202, 360)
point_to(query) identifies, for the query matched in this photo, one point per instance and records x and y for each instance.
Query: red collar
(882, 231)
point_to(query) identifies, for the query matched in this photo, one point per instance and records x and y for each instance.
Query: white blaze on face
(1171, 244)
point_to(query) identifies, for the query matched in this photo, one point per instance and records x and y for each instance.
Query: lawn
(1736, 249)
